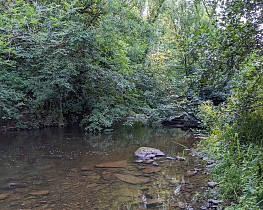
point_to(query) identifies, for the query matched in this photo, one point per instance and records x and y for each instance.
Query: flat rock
(115, 164)
(39, 193)
(3, 196)
(133, 179)
(148, 153)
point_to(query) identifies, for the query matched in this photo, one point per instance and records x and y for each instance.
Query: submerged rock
(3, 196)
(39, 193)
(133, 179)
(153, 203)
(14, 185)
(115, 164)
(150, 170)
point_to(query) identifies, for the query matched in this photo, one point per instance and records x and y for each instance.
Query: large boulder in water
(146, 153)
(182, 120)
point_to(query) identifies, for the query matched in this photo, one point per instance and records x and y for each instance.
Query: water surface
(54, 168)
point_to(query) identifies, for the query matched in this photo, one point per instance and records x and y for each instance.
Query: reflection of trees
(70, 141)
(122, 137)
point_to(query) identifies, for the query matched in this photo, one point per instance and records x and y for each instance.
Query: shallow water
(54, 168)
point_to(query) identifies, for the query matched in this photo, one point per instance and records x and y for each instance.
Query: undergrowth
(237, 150)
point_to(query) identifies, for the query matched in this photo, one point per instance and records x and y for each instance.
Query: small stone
(180, 158)
(212, 184)
(169, 158)
(210, 162)
(155, 164)
(213, 201)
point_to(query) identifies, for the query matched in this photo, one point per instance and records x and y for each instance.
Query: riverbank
(237, 169)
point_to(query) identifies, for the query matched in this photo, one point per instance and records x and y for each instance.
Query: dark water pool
(54, 168)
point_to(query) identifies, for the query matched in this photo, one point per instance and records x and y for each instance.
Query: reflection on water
(54, 169)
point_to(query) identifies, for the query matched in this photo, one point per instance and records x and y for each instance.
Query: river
(57, 168)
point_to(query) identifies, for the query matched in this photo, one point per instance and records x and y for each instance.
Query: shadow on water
(55, 168)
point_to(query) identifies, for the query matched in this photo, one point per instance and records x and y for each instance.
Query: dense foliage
(95, 62)
(73, 62)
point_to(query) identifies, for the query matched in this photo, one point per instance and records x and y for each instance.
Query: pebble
(170, 158)
(180, 158)
(155, 164)
(213, 201)
(212, 184)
